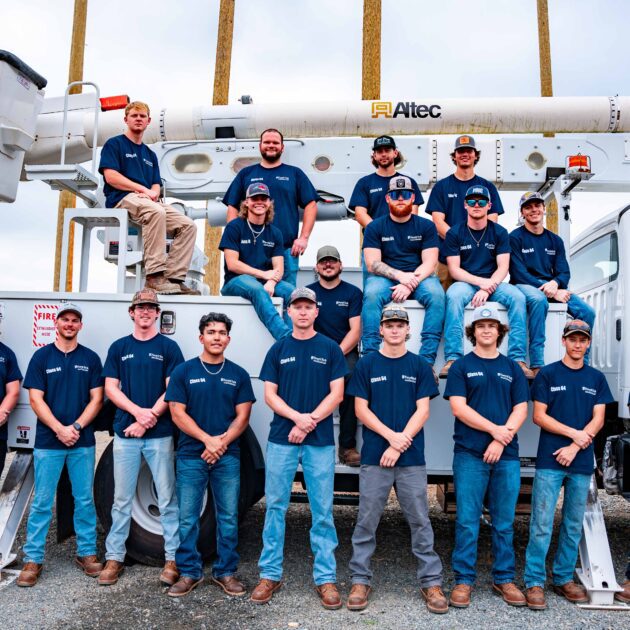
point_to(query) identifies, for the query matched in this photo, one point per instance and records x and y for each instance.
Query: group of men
(313, 367)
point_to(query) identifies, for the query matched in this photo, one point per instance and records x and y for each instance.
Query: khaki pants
(158, 219)
(444, 276)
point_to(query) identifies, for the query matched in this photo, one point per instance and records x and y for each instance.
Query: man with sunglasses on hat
(488, 394)
(137, 370)
(392, 389)
(570, 400)
(400, 251)
(478, 257)
(539, 269)
(290, 189)
(446, 201)
(65, 390)
(254, 259)
(339, 318)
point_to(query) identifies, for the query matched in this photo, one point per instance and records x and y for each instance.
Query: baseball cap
(465, 142)
(399, 182)
(478, 191)
(530, 196)
(576, 326)
(257, 188)
(302, 293)
(145, 296)
(485, 312)
(69, 307)
(328, 251)
(384, 142)
(394, 312)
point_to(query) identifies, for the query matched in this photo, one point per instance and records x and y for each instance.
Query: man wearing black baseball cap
(446, 202)
(570, 400)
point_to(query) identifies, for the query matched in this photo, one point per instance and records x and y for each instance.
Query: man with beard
(66, 393)
(290, 190)
(339, 304)
(254, 259)
(401, 251)
(478, 256)
(446, 202)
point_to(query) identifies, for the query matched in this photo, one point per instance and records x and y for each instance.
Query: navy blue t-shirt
(142, 368)
(538, 258)
(303, 370)
(570, 396)
(392, 387)
(370, 191)
(210, 400)
(66, 380)
(290, 189)
(401, 244)
(336, 307)
(9, 372)
(492, 387)
(477, 249)
(255, 253)
(135, 161)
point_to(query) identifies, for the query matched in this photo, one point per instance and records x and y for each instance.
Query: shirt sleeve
(338, 367)
(35, 373)
(111, 369)
(359, 195)
(456, 381)
(563, 272)
(503, 240)
(604, 395)
(425, 384)
(269, 370)
(110, 157)
(231, 238)
(175, 357)
(245, 390)
(13, 369)
(495, 199)
(358, 385)
(540, 389)
(419, 199)
(451, 244)
(235, 192)
(520, 388)
(430, 238)
(176, 388)
(305, 190)
(371, 236)
(355, 303)
(518, 270)
(96, 372)
(436, 201)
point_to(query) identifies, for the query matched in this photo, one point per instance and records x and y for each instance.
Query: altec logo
(405, 109)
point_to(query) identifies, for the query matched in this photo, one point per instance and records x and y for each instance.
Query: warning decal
(44, 331)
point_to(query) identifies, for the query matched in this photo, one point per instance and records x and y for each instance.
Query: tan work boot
(349, 457)
(183, 288)
(575, 593)
(169, 574)
(358, 598)
(329, 596)
(183, 586)
(29, 574)
(535, 596)
(529, 375)
(511, 594)
(435, 599)
(264, 591)
(160, 284)
(89, 565)
(111, 572)
(460, 595)
(624, 596)
(230, 585)
(446, 368)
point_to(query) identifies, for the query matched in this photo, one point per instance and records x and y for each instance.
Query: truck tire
(146, 543)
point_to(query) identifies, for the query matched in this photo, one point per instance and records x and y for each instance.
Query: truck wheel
(146, 543)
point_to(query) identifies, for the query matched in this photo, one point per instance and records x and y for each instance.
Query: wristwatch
(77, 426)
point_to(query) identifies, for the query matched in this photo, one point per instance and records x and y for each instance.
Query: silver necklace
(480, 238)
(255, 234)
(203, 365)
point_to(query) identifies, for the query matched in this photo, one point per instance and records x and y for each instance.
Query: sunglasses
(405, 195)
(395, 312)
(481, 203)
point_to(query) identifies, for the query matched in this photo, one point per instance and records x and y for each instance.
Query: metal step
(71, 177)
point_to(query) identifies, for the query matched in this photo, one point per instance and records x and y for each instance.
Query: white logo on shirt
(408, 379)
(245, 241)
(126, 356)
(505, 377)
(147, 162)
(194, 381)
(268, 244)
(282, 178)
(156, 357)
(558, 388)
(386, 238)
(320, 360)
(131, 155)
(341, 303)
(414, 238)
(463, 247)
(82, 368)
(228, 381)
(589, 390)
(51, 370)
(528, 251)
(550, 252)
(452, 195)
(378, 379)
(489, 245)
(287, 360)
(375, 190)
(471, 374)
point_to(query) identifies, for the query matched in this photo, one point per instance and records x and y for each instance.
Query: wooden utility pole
(67, 199)
(546, 89)
(220, 96)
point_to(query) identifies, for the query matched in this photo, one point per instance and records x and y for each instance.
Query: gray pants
(375, 484)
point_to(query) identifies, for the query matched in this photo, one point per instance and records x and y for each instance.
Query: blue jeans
(537, 307)
(378, 293)
(48, 466)
(251, 289)
(459, 294)
(472, 478)
(128, 453)
(224, 478)
(547, 484)
(318, 464)
(291, 268)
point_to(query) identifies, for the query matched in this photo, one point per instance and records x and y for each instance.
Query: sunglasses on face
(405, 195)
(481, 203)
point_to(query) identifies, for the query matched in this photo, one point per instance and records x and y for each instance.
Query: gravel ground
(64, 598)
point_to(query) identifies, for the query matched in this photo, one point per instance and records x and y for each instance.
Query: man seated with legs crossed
(401, 252)
(392, 389)
(211, 399)
(478, 258)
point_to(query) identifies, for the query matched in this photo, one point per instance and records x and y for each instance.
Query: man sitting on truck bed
(132, 181)
(539, 268)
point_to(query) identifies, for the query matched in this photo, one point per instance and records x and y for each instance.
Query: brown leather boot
(529, 375)
(29, 574)
(183, 288)
(435, 599)
(511, 594)
(230, 585)
(624, 596)
(160, 284)
(575, 593)
(111, 572)
(169, 574)
(445, 368)
(89, 565)
(183, 586)
(329, 596)
(535, 596)
(460, 595)
(264, 591)
(358, 598)
(349, 457)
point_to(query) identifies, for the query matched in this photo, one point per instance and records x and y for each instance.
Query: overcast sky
(303, 50)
